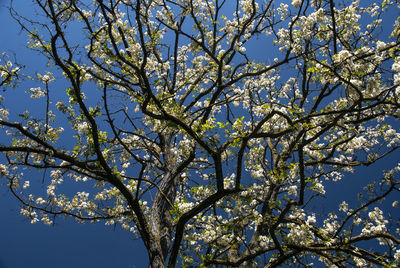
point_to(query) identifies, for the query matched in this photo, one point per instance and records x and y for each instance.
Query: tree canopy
(211, 128)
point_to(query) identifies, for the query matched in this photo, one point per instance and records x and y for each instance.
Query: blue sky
(69, 244)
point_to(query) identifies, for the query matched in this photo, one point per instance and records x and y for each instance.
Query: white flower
(319, 188)
(380, 45)
(86, 13)
(397, 255)
(311, 219)
(125, 165)
(357, 221)
(396, 67)
(51, 190)
(356, 82)
(46, 220)
(296, 3)
(3, 114)
(26, 185)
(137, 108)
(62, 107)
(25, 212)
(40, 201)
(3, 74)
(55, 174)
(3, 170)
(82, 127)
(47, 78)
(360, 262)
(379, 222)
(395, 204)
(36, 92)
(344, 206)
(292, 190)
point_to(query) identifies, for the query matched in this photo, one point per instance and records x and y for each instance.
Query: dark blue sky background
(69, 244)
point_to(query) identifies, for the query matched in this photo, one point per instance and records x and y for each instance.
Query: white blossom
(4, 114)
(397, 255)
(36, 93)
(292, 190)
(396, 67)
(296, 3)
(344, 207)
(26, 185)
(3, 170)
(47, 78)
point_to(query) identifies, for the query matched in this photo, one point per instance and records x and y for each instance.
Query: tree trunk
(155, 255)
(160, 220)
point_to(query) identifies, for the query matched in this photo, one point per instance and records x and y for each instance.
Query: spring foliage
(210, 128)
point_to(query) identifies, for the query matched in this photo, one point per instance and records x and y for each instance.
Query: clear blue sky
(69, 244)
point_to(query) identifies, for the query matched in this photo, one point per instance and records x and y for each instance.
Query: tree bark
(160, 222)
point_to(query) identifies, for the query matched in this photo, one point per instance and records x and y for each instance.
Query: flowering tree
(211, 153)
